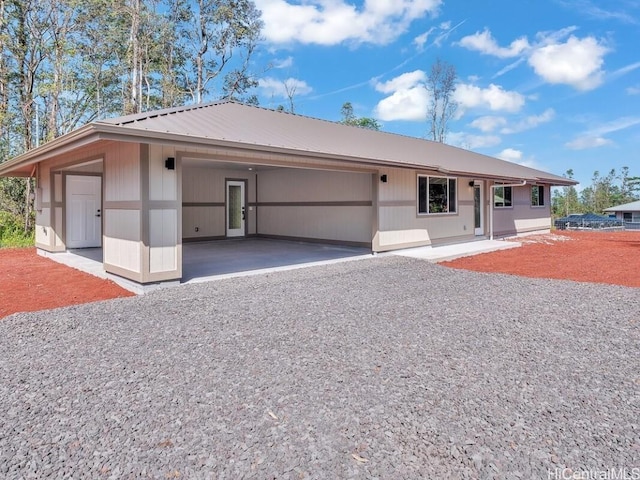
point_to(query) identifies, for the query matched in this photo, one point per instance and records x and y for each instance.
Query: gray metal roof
(627, 207)
(261, 127)
(244, 126)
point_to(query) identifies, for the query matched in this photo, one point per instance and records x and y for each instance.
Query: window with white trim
(437, 194)
(502, 197)
(537, 196)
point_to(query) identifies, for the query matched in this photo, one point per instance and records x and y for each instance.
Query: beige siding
(208, 220)
(325, 205)
(122, 239)
(123, 228)
(300, 185)
(522, 217)
(58, 187)
(57, 240)
(44, 182)
(339, 223)
(163, 234)
(122, 173)
(163, 183)
(401, 226)
(43, 228)
(203, 199)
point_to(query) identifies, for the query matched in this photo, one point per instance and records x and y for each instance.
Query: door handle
(243, 214)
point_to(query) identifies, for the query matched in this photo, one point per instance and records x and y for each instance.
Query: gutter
(493, 187)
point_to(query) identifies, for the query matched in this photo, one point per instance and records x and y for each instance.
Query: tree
(224, 35)
(567, 202)
(349, 118)
(441, 85)
(604, 192)
(629, 187)
(64, 63)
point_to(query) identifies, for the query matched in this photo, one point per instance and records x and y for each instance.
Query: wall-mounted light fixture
(472, 183)
(383, 178)
(170, 163)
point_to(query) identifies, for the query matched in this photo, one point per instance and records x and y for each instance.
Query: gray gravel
(381, 368)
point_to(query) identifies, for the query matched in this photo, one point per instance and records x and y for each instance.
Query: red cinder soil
(29, 282)
(599, 257)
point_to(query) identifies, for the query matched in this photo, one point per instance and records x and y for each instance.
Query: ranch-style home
(140, 186)
(629, 213)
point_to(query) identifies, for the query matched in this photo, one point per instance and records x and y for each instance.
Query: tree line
(64, 63)
(605, 191)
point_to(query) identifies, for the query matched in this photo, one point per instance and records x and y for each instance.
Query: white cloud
(509, 67)
(407, 100)
(471, 142)
(442, 32)
(596, 11)
(405, 104)
(582, 143)
(279, 88)
(283, 63)
(488, 123)
(635, 90)
(530, 122)
(494, 97)
(516, 156)
(624, 70)
(510, 155)
(577, 62)
(331, 22)
(484, 42)
(555, 58)
(595, 137)
(421, 40)
(403, 82)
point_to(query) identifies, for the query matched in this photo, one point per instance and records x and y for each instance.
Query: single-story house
(629, 212)
(139, 186)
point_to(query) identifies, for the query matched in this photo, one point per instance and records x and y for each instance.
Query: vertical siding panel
(162, 240)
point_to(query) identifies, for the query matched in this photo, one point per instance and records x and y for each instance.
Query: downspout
(492, 196)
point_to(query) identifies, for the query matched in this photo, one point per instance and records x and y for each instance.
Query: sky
(550, 84)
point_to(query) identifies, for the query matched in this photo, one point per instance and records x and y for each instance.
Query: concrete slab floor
(443, 253)
(203, 260)
(214, 260)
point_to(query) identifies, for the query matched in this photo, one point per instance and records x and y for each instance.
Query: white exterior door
(83, 211)
(478, 208)
(235, 209)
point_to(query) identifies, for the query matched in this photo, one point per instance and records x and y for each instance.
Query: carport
(248, 198)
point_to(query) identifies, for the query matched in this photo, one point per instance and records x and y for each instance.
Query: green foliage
(12, 196)
(12, 231)
(604, 192)
(349, 118)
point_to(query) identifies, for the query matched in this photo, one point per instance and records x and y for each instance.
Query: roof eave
(107, 131)
(46, 150)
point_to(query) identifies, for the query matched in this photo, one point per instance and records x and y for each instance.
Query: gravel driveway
(387, 368)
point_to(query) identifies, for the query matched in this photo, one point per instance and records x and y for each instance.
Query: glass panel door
(478, 212)
(235, 209)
